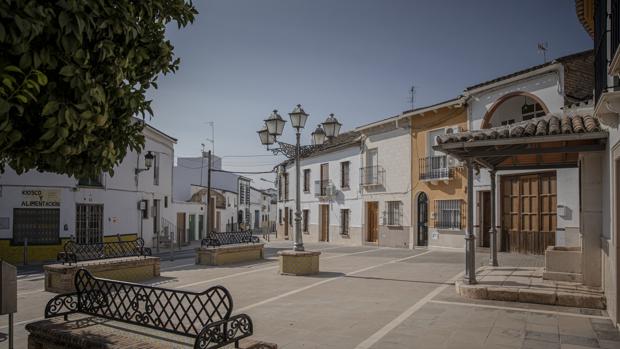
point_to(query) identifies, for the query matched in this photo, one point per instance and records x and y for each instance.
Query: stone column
(470, 238)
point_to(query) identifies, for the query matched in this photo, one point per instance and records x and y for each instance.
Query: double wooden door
(529, 212)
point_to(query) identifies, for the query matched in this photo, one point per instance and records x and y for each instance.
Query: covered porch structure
(535, 146)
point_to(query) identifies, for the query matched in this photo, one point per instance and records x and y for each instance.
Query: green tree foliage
(74, 73)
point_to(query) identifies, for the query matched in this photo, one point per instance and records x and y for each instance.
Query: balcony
(436, 168)
(372, 176)
(324, 188)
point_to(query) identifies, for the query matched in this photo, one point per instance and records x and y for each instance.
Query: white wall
(119, 194)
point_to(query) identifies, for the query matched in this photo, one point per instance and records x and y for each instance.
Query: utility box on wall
(8, 288)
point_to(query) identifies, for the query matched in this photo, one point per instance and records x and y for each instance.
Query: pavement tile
(534, 344)
(609, 335)
(542, 336)
(579, 340)
(606, 344)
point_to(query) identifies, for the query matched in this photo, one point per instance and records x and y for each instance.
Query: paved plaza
(368, 297)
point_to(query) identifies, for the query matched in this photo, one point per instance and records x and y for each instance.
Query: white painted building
(330, 194)
(128, 204)
(385, 181)
(540, 90)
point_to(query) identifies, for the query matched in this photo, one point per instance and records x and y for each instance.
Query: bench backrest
(228, 238)
(103, 250)
(182, 312)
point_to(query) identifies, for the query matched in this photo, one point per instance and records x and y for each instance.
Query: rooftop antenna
(412, 96)
(212, 139)
(542, 48)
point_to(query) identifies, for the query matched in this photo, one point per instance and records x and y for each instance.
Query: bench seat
(97, 333)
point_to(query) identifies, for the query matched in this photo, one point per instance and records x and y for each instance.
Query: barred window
(448, 214)
(394, 213)
(96, 181)
(286, 186)
(344, 221)
(280, 216)
(39, 225)
(306, 217)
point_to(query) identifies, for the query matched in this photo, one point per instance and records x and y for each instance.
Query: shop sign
(41, 198)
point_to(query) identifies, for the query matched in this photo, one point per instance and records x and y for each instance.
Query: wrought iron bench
(74, 252)
(229, 238)
(204, 316)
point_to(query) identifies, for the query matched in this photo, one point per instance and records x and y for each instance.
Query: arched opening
(514, 107)
(422, 223)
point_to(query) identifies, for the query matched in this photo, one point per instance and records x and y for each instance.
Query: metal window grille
(448, 214)
(39, 225)
(435, 167)
(306, 219)
(394, 213)
(280, 216)
(89, 223)
(344, 174)
(286, 186)
(344, 221)
(372, 175)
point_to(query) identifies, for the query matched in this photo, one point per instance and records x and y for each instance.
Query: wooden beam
(522, 140)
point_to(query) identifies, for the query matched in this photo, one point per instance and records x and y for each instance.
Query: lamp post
(274, 126)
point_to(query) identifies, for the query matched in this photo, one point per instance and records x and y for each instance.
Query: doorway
(181, 228)
(372, 221)
(324, 234)
(89, 223)
(192, 227)
(484, 218)
(156, 218)
(422, 220)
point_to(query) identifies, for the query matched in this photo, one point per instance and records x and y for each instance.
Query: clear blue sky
(355, 58)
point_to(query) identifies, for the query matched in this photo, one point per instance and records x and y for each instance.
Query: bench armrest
(62, 305)
(221, 333)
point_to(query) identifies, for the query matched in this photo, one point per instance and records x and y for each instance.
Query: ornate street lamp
(148, 162)
(274, 126)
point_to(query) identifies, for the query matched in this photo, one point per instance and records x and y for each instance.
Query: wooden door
(181, 227)
(324, 234)
(422, 220)
(529, 212)
(372, 220)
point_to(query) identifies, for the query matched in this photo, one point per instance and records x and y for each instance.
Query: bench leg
(237, 344)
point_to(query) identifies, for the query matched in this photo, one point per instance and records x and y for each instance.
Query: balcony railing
(372, 175)
(323, 188)
(435, 168)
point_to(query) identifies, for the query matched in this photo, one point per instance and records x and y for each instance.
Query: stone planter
(299, 262)
(229, 254)
(59, 277)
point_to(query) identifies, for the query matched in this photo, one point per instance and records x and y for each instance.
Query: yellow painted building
(439, 196)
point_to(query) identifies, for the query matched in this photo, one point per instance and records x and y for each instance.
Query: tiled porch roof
(542, 126)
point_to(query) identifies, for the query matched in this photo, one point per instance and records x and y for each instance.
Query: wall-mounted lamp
(148, 162)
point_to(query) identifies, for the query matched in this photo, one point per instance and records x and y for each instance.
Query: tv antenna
(412, 96)
(212, 139)
(542, 48)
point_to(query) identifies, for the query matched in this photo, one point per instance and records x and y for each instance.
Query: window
(91, 182)
(306, 218)
(508, 122)
(38, 225)
(307, 180)
(280, 188)
(165, 201)
(156, 169)
(394, 213)
(448, 214)
(530, 111)
(290, 217)
(344, 174)
(280, 216)
(286, 186)
(344, 221)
